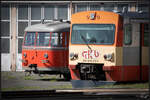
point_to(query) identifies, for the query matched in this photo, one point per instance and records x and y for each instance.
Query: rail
(142, 94)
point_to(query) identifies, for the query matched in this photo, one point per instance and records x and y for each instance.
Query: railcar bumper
(108, 68)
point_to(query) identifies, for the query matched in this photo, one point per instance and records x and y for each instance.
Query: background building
(16, 15)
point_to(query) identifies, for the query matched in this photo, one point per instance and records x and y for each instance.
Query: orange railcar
(108, 46)
(45, 48)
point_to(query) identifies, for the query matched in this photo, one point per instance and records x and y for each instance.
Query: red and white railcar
(45, 48)
(109, 46)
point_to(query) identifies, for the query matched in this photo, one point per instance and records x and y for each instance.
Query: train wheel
(67, 76)
(28, 73)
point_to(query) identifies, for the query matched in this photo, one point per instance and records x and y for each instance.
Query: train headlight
(109, 57)
(73, 56)
(25, 55)
(45, 55)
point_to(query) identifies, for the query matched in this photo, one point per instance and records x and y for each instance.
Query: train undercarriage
(33, 69)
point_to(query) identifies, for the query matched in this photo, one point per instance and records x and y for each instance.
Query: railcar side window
(56, 40)
(30, 39)
(127, 34)
(43, 39)
(146, 34)
(66, 38)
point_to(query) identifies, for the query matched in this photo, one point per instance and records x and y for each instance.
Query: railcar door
(42, 44)
(131, 52)
(135, 52)
(66, 46)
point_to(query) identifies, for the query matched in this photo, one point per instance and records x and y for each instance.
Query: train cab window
(56, 40)
(127, 34)
(93, 34)
(29, 39)
(43, 39)
(146, 34)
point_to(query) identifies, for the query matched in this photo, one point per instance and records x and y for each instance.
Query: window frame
(145, 33)
(37, 39)
(59, 39)
(127, 42)
(10, 31)
(22, 21)
(140, 5)
(25, 39)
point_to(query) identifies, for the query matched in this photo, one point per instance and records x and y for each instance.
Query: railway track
(142, 94)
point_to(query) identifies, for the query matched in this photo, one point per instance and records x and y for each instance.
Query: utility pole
(13, 37)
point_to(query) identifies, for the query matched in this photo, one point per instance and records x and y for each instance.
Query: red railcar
(109, 46)
(45, 48)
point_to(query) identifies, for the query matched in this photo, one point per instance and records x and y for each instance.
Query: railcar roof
(55, 26)
(136, 15)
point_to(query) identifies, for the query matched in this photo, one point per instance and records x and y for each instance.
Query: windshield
(93, 34)
(30, 39)
(43, 39)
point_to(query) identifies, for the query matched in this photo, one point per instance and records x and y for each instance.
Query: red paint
(108, 68)
(119, 35)
(55, 57)
(72, 66)
(145, 73)
(75, 75)
(117, 73)
(126, 73)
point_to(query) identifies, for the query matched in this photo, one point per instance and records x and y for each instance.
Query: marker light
(92, 16)
(108, 57)
(45, 55)
(73, 56)
(25, 55)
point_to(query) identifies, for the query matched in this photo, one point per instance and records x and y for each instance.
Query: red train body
(108, 46)
(45, 48)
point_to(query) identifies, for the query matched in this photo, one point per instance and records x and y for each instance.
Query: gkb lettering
(90, 54)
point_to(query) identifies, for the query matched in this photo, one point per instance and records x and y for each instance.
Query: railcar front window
(43, 39)
(29, 39)
(56, 40)
(93, 34)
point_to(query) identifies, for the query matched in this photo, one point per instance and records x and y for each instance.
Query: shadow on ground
(49, 79)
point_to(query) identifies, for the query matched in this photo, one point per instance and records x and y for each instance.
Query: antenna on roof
(61, 20)
(42, 21)
(68, 22)
(124, 10)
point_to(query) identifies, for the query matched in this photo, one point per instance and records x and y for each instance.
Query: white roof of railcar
(54, 26)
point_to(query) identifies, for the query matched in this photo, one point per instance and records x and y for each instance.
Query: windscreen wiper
(83, 38)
